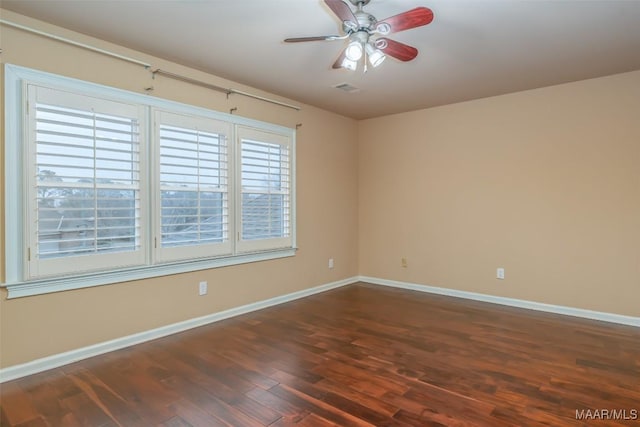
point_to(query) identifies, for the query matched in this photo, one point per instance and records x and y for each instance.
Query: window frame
(179, 253)
(267, 138)
(38, 268)
(16, 241)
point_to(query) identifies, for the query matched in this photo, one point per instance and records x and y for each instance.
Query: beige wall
(545, 183)
(35, 327)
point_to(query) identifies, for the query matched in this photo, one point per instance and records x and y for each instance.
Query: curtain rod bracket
(298, 126)
(233, 110)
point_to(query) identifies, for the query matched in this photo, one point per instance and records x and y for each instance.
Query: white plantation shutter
(194, 187)
(265, 194)
(85, 205)
(104, 186)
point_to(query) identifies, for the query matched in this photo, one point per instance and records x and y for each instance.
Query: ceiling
(473, 49)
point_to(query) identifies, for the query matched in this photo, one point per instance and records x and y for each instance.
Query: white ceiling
(472, 49)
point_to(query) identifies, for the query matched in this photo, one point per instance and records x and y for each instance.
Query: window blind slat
(265, 194)
(87, 203)
(197, 214)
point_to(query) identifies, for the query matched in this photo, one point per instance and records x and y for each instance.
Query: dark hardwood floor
(361, 355)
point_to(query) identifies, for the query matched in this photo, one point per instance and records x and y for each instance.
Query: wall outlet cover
(202, 290)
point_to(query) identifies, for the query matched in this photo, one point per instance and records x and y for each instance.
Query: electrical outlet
(330, 262)
(403, 263)
(202, 290)
(500, 273)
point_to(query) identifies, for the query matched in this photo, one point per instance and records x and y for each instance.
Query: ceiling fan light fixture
(349, 64)
(354, 51)
(376, 57)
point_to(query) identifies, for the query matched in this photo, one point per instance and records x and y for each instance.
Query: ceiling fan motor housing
(361, 33)
(360, 36)
(365, 20)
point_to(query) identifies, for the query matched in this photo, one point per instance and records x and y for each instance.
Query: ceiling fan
(366, 34)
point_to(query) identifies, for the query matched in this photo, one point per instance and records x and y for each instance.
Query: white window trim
(16, 78)
(174, 254)
(39, 269)
(248, 246)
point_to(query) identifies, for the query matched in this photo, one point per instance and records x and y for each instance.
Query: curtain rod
(190, 80)
(228, 91)
(74, 43)
(146, 65)
(261, 98)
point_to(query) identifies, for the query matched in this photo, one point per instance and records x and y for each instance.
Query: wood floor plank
(194, 415)
(85, 411)
(289, 410)
(313, 420)
(117, 408)
(347, 392)
(176, 421)
(319, 407)
(17, 406)
(255, 410)
(36, 422)
(203, 398)
(357, 356)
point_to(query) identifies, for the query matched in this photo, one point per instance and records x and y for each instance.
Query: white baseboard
(532, 305)
(57, 360)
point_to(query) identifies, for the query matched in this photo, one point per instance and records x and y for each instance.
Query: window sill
(59, 284)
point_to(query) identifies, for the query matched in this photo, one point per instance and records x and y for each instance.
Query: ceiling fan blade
(400, 51)
(311, 39)
(405, 21)
(342, 10)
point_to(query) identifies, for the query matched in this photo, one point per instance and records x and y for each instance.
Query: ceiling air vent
(347, 87)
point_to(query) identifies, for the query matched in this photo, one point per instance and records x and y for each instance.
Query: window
(84, 175)
(194, 187)
(265, 195)
(125, 186)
